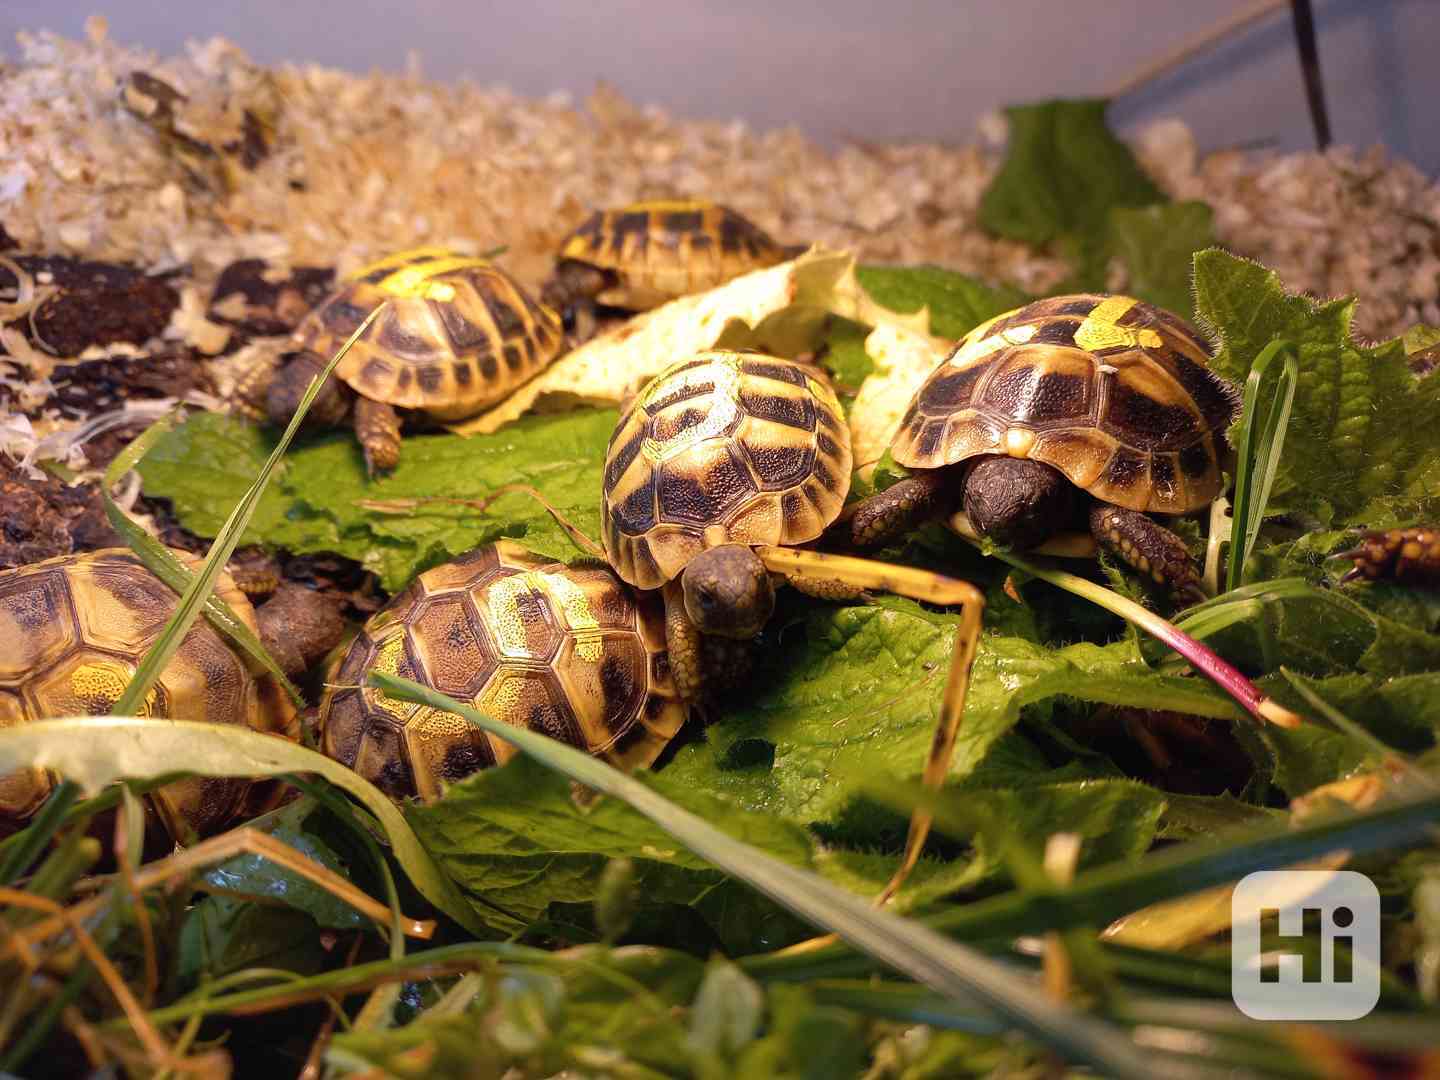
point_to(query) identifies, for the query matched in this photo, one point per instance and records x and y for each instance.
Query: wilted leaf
(855, 690)
(516, 836)
(902, 359)
(323, 500)
(781, 310)
(1363, 447)
(95, 751)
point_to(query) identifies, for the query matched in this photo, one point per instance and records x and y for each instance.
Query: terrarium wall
(926, 69)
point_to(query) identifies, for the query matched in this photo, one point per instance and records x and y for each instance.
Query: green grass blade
(1360, 734)
(96, 751)
(161, 561)
(200, 589)
(36, 836)
(1263, 424)
(1097, 897)
(1201, 657)
(947, 967)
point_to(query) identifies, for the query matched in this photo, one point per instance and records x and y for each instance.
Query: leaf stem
(1203, 658)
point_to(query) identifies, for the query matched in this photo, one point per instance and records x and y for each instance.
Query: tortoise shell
(566, 651)
(723, 448)
(459, 333)
(74, 630)
(1113, 392)
(659, 250)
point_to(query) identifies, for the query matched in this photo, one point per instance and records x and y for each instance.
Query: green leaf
(316, 503)
(958, 302)
(1064, 172)
(1403, 713)
(954, 970)
(1157, 245)
(1363, 447)
(95, 751)
(516, 836)
(223, 934)
(257, 876)
(851, 690)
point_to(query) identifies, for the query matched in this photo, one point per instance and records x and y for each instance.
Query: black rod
(1303, 18)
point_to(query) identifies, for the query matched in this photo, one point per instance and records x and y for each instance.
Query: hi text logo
(1294, 985)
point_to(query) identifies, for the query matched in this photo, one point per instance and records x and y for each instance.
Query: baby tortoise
(76, 627)
(723, 464)
(458, 334)
(1407, 556)
(567, 651)
(1105, 395)
(640, 256)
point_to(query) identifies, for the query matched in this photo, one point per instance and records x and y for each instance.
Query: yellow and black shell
(723, 448)
(656, 251)
(566, 651)
(1113, 392)
(73, 631)
(458, 334)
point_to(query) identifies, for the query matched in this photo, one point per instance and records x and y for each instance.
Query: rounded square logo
(1299, 985)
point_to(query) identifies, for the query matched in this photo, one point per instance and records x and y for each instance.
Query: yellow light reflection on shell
(1100, 330)
(722, 405)
(100, 683)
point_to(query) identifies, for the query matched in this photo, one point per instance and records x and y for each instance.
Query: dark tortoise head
(728, 592)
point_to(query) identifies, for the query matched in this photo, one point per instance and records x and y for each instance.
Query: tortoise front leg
(932, 588)
(1151, 548)
(888, 515)
(377, 426)
(702, 666)
(287, 388)
(571, 291)
(684, 644)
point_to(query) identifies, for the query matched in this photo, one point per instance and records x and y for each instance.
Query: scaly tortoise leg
(793, 563)
(874, 522)
(1149, 547)
(702, 666)
(377, 426)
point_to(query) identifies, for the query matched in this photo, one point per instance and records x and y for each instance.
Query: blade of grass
(161, 561)
(1263, 424)
(1102, 895)
(199, 590)
(1349, 727)
(95, 751)
(947, 967)
(37, 835)
(1204, 659)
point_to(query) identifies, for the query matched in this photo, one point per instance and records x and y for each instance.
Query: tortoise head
(728, 592)
(1017, 502)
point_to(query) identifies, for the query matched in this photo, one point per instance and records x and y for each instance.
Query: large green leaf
(1157, 245)
(517, 836)
(1363, 447)
(316, 503)
(1064, 172)
(958, 302)
(855, 690)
